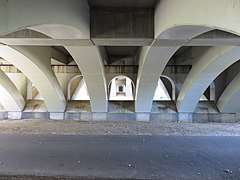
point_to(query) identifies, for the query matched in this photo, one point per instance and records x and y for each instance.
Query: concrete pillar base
(57, 116)
(14, 115)
(185, 117)
(142, 116)
(89, 116)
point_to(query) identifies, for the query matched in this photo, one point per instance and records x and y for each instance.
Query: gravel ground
(118, 128)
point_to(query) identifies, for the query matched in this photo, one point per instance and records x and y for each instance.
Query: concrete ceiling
(123, 3)
(121, 53)
(121, 50)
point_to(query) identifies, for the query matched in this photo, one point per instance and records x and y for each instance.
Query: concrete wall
(122, 23)
(64, 79)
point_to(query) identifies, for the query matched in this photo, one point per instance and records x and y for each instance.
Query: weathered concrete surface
(35, 106)
(134, 157)
(121, 26)
(78, 106)
(122, 111)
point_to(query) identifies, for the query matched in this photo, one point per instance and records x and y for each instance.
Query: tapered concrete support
(152, 62)
(210, 62)
(89, 61)
(10, 97)
(34, 62)
(229, 100)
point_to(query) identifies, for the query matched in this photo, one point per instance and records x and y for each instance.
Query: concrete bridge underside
(45, 44)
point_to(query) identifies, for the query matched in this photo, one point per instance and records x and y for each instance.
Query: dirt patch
(118, 128)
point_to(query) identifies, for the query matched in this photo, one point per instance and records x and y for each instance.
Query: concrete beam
(45, 42)
(203, 72)
(215, 38)
(59, 56)
(212, 38)
(30, 37)
(24, 33)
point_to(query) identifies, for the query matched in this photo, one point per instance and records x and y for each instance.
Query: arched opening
(35, 101)
(209, 94)
(121, 88)
(77, 89)
(32, 92)
(165, 90)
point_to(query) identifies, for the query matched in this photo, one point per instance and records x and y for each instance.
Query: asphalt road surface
(119, 157)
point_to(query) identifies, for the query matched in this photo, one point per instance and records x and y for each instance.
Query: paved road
(137, 157)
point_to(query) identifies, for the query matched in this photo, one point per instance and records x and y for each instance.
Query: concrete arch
(209, 94)
(124, 88)
(10, 97)
(74, 95)
(215, 14)
(57, 21)
(172, 85)
(121, 87)
(32, 92)
(34, 62)
(69, 86)
(163, 89)
(193, 18)
(134, 88)
(203, 73)
(28, 13)
(229, 100)
(81, 92)
(90, 63)
(151, 65)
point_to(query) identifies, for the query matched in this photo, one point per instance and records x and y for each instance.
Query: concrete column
(129, 93)
(10, 98)
(29, 91)
(229, 100)
(152, 62)
(113, 89)
(89, 61)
